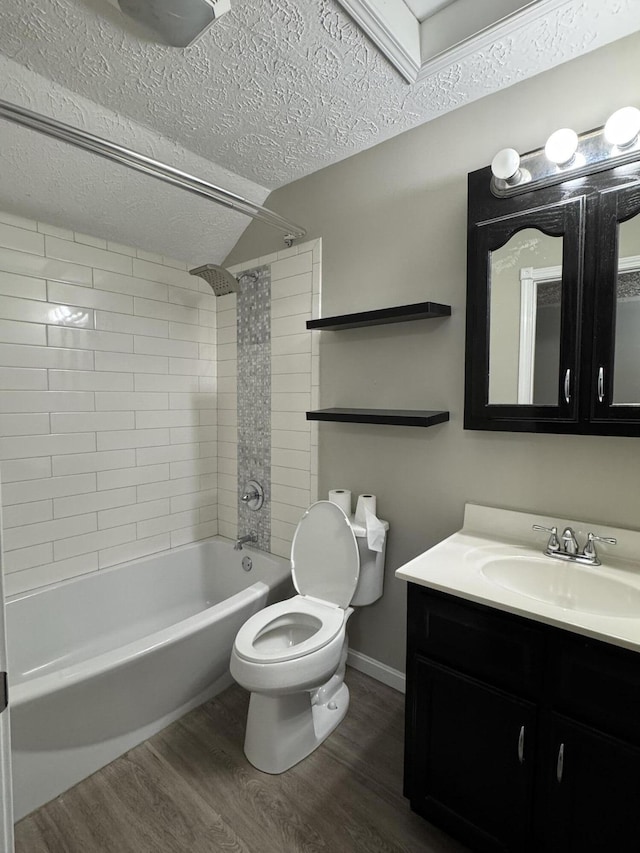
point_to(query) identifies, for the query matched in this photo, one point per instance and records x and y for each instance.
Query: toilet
(292, 655)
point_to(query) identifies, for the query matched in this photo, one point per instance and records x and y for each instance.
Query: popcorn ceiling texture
(274, 91)
(57, 183)
(280, 88)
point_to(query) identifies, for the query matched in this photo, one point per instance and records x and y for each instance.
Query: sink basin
(566, 585)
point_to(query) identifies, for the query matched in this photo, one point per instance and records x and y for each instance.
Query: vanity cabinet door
(524, 314)
(472, 756)
(615, 370)
(592, 792)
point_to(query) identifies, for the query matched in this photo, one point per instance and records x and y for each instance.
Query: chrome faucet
(567, 548)
(569, 541)
(244, 540)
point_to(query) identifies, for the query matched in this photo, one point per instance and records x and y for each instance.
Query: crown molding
(396, 32)
(393, 28)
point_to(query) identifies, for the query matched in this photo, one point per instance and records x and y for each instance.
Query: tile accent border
(294, 379)
(253, 307)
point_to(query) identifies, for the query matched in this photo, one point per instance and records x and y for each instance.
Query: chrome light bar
(568, 155)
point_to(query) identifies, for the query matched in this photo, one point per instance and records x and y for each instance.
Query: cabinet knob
(521, 745)
(560, 763)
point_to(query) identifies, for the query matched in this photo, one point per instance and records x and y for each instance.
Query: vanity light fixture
(622, 128)
(561, 147)
(506, 166)
(567, 155)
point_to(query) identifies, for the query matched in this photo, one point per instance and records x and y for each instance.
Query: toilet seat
(325, 558)
(325, 565)
(278, 616)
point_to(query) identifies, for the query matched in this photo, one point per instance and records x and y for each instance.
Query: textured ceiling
(45, 179)
(277, 88)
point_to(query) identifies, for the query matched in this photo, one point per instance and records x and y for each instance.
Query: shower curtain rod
(148, 166)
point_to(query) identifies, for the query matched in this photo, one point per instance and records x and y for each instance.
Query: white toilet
(292, 654)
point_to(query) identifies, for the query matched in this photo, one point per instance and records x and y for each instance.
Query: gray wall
(393, 224)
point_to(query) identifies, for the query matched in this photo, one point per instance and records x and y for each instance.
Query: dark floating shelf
(392, 417)
(382, 316)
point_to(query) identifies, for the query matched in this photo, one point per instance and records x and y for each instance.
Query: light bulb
(506, 165)
(561, 146)
(622, 127)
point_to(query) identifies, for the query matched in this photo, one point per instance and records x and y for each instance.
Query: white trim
(530, 278)
(397, 32)
(380, 671)
(487, 37)
(526, 353)
(629, 264)
(397, 35)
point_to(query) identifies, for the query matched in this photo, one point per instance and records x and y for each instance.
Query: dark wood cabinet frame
(493, 701)
(586, 213)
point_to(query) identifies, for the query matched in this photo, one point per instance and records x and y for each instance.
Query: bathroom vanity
(522, 719)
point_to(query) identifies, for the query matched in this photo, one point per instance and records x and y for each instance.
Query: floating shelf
(382, 316)
(392, 417)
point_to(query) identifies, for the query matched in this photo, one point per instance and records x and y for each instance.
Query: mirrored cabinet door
(524, 297)
(525, 301)
(615, 370)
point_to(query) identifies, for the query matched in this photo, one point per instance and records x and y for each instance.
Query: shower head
(218, 278)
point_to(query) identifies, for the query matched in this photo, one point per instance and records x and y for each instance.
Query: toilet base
(282, 730)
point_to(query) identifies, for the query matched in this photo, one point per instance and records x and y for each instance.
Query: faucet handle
(553, 545)
(590, 549)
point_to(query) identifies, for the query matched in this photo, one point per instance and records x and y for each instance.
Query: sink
(566, 585)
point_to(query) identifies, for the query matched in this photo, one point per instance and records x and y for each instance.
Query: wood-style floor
(189, 789)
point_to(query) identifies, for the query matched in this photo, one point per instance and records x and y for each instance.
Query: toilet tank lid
(325, 561)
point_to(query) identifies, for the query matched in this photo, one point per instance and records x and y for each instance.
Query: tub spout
(243, 540)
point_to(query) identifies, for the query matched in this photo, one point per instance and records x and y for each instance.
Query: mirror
(525, 289)
(626, 376)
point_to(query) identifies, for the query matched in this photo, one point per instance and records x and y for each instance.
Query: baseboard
(380, 671)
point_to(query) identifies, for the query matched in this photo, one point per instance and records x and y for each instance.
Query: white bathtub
(100, 663)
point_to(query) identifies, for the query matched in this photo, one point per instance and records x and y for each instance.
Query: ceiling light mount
(567, 155)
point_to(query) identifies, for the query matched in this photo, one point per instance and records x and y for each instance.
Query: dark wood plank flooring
(190, 788)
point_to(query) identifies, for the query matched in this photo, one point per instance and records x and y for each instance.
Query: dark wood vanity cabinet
(468, 763)
(553, 306)
(591, 802)
(519, 736)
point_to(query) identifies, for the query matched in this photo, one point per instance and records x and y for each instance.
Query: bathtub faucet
(250, 537)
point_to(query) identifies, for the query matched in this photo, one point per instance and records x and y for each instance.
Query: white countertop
(454, 566)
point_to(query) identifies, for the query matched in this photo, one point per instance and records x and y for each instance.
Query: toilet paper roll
(341, 498)
(365, 502)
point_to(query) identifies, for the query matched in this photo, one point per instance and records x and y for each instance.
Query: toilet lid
(325, 561)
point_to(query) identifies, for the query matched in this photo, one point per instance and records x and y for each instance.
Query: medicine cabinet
(553, 306)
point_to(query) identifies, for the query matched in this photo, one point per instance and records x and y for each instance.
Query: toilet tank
(371, 578)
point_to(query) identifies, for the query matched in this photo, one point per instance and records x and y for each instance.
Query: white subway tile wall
(295, 298)
(108, 410)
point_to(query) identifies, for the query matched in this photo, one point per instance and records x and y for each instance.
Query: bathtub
(99, 663)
